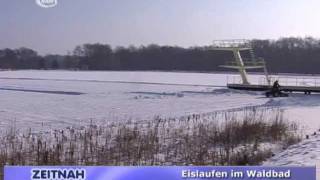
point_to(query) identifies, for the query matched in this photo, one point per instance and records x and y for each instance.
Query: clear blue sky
(141, 22)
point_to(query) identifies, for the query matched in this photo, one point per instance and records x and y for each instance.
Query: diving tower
(236, 46)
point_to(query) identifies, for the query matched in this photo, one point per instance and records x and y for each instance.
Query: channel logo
(47, 3)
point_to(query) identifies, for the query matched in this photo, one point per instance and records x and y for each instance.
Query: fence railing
(283, 81)
(232, 43)
(298, 81)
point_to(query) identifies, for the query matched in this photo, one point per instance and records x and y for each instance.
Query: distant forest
(285, 55)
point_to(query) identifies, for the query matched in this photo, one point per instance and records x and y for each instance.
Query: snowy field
(44, 100)
(55, 99)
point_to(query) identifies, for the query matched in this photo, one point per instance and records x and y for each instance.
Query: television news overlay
(159, 89)
(158, 173)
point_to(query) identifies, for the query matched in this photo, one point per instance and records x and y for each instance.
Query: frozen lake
(44, 100)
(53, 99)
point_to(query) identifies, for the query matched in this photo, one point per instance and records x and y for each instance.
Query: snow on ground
(55, 99)
(122, 77)
(300, 108)
(27, 99)
(44, 100)
(306, 153)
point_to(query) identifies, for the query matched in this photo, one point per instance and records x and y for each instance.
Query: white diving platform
(242, 64)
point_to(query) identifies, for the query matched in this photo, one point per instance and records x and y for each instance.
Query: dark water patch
(212, 92)
(113, 81)
(155, 93)
(43, 91)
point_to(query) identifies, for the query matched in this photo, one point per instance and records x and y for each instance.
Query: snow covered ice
(111, 96)
(45, 100)
(54, 99)
(27, 98)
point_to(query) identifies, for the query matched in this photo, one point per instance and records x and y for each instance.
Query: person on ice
(276, 86)
(275, 90)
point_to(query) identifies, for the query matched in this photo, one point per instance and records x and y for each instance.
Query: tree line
(284, 55)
